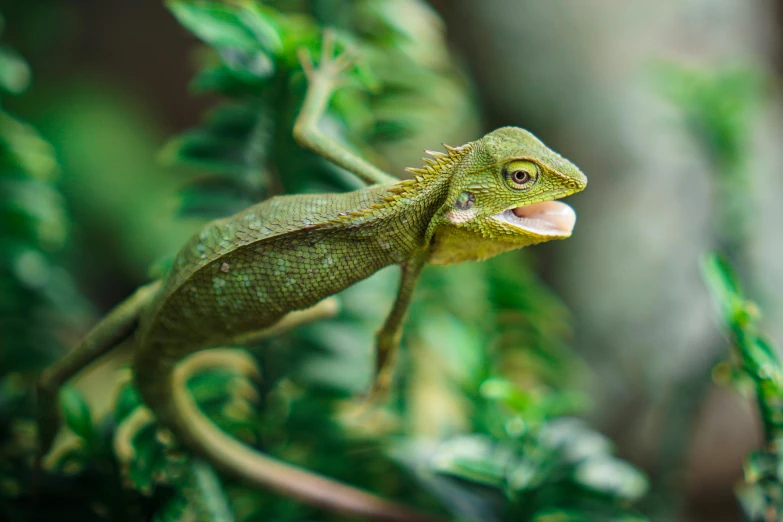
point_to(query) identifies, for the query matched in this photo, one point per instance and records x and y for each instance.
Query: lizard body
(250, 273)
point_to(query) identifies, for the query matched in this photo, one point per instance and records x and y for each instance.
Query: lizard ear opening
(465, 201)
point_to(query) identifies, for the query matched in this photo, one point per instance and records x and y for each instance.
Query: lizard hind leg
(116, 327)
(325, 309)
(237, 360)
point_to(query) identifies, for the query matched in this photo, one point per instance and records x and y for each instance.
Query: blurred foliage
(481, 423)
(120, 196)
(40, 308)
(755, 368)
(719, 105)
(35, 292)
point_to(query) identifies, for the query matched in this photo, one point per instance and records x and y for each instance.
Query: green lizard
(274, 264)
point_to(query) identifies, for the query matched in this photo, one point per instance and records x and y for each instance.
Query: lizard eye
(521, 174)
(520, 177)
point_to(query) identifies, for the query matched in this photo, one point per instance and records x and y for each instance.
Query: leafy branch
(761, 495)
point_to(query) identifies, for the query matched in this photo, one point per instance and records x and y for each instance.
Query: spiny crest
(439, 161)
(408, 187)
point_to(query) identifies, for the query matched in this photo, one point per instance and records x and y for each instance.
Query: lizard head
(502, 194)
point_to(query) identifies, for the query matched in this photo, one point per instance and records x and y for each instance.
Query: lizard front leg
(388, 338)
(323, 81)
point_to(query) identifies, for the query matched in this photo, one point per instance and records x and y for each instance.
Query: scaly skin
(275, 263)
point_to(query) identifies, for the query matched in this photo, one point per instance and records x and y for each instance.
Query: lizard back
(243, 273)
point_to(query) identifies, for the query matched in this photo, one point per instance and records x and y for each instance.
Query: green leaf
(216, 24)
(723, 285)
(474, 458)
(128, 399)
(260, 20)
(234, 120)
(206, 150)
(611, 476)
(506, 392)
(762, 489)
(206, 493)
(223, 80)
(21, 148)
(14, 72)
(77, 413)
(247, 67)
(574, 440)
(149, 463)
(231, 141)
(245, 27)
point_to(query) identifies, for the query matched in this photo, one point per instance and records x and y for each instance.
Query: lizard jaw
(546, 219)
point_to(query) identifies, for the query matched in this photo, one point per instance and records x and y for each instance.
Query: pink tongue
(549, 215)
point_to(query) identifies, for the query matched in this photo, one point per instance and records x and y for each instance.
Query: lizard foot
(375, 398)
(330, 65)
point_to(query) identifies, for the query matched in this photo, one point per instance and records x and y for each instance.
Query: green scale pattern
(244, 273)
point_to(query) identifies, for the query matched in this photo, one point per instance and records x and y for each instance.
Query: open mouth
(547, 218)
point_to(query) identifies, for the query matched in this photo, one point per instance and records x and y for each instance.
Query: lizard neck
(409, 207)
(398, 218)
(404, 214)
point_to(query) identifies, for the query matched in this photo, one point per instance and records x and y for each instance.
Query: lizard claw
(307, 63)
(327, 46)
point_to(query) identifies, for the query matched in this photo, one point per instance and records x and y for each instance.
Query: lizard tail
(199, 434)
(163, 386)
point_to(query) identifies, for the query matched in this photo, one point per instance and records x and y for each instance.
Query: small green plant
(755, 362)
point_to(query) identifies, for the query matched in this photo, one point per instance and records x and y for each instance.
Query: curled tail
(163, 385)
(195, 431)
